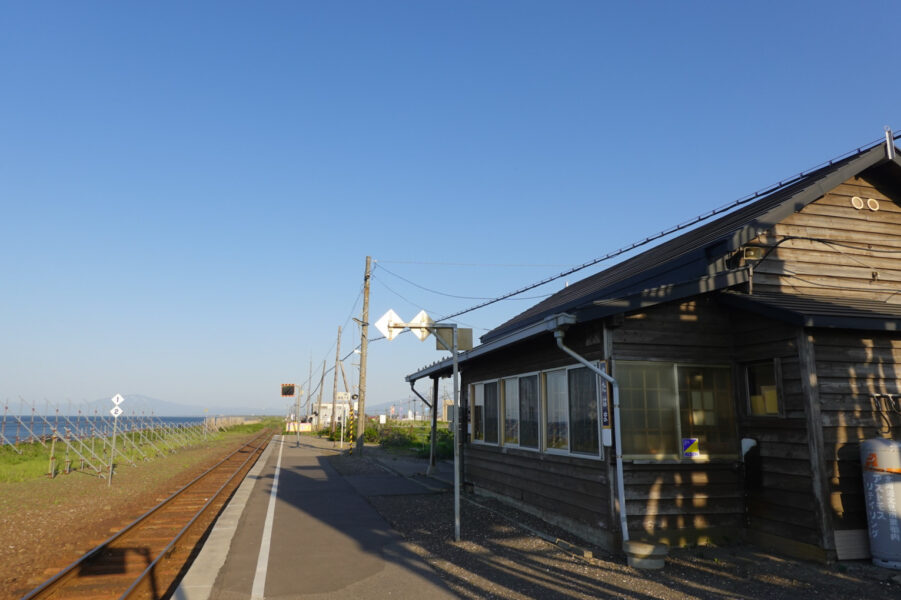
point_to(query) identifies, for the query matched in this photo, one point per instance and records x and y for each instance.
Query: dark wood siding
(837, 250)
(853, 370)
(780, 494)
(671, 501)
(573, 488)
(570, 491)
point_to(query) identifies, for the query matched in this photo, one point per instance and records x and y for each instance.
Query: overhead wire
(652, 238)
(422, 287)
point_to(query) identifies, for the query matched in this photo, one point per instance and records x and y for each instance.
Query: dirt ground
(500, 556)
(46, 524)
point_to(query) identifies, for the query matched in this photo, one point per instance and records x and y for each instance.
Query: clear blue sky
(189, 190)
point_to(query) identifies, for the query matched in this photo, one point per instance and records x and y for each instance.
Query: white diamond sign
(420, 325)
(118, 399)
(383, 325)
(116, 411)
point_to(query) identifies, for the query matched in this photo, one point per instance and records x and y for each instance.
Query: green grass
(34, 462)
(414, 437)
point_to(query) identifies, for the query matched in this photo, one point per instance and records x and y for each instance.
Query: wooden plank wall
(780, 498)
(852, 370)
(677, 502)
(820, 266)
(856, 253)
(558, 486)
(569, 491)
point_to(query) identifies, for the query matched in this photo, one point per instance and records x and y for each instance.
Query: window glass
(528, 411)
(705, 398)
(583, 410)
(491, 413)
(556, 423)
(763, 390)
(647, 408)
(511, 411)
(478, 412)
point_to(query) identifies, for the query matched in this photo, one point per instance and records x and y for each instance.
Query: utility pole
(319, 398)
(344, 377)
(335, 386)
(364, 345)
(310, 386)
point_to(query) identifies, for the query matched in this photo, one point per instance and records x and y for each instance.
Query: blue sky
(189, 190)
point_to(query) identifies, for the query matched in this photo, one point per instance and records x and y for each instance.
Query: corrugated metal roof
(690, 254)
(810, 311)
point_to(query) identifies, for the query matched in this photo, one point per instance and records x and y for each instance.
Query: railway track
(147, 558)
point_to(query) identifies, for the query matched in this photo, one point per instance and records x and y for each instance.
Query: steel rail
(52, 586)
(144, 580)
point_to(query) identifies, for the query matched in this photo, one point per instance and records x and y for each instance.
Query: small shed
(751, 356)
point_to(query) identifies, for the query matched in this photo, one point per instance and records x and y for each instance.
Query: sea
(25, 428)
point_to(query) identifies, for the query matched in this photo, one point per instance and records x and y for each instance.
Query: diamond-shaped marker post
(116, 410)
(422, 325)
(386, 325)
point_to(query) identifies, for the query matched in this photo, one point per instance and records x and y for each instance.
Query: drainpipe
(559, 332)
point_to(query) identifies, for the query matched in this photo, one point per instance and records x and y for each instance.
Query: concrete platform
(323, 539)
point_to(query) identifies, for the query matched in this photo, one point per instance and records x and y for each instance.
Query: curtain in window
(511, 411)
(557, 425)
(705, 395)
(528, 411)
(583, 410)
(491, 413)
(478, 413)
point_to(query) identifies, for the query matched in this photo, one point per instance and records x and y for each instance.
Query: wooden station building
(752, 354)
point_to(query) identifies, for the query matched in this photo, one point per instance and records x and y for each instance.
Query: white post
(112, 456)
(457, 440)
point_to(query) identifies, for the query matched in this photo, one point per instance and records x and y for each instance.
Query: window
(663, 404)
(562, 405)
(491, 413)
(763, 382)
(647, 408)
(478, 412)
(485, 412)
(583, 410)
(555, 417)
(528, 411)
(511, 411)
(706, 408)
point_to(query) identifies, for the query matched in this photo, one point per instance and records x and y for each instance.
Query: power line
(460, 264)
(422, 287)
(635, 245)
(679, 227)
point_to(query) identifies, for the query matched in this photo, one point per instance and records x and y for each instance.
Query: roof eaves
(440, 369)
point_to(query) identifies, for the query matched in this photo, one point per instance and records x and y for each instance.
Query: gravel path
(505, 553)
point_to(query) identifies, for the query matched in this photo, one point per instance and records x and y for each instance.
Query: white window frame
(543, 417)
(516, 378)
(474, 403)
(542, 412)
(506, 404)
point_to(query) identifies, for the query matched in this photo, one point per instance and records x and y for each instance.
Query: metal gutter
(564, 321)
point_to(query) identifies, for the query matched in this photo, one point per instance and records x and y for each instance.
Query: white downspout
(559, 332)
